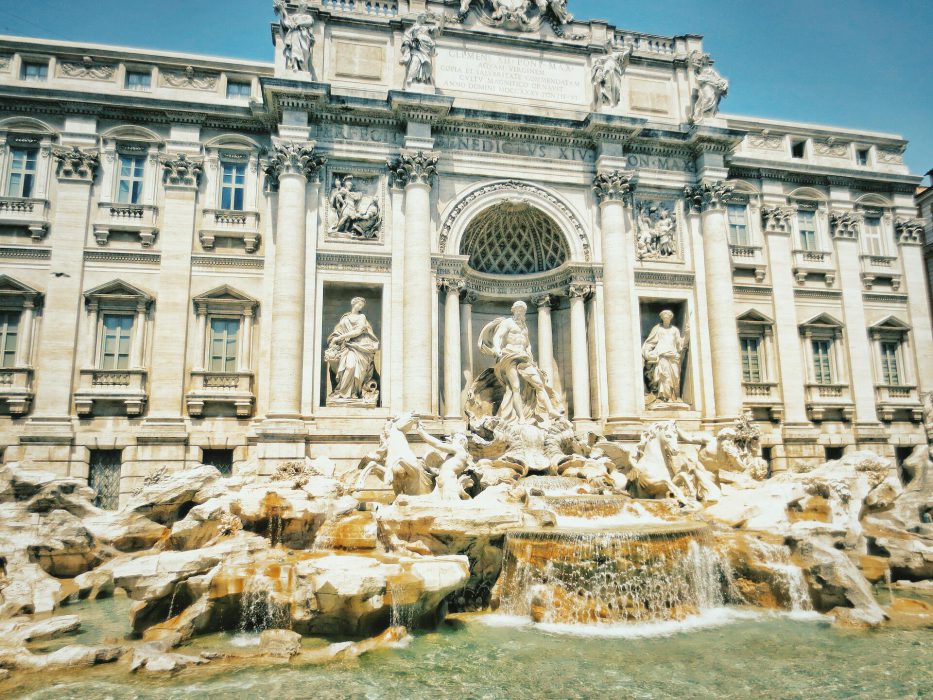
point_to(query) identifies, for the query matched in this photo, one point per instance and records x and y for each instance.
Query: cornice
(808, 174)
(250, 262)
(352, 261)
(25, 253)
(658, 278)
(120, 256)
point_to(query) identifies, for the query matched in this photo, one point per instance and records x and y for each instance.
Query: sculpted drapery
(663, 353)
(351, 354)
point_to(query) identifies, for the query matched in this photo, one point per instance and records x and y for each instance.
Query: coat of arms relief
(520, 15)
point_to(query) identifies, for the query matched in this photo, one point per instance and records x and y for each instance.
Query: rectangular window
(751, 358)
(222, 459)
(104, 472)
(22, 178)
(35, 71)
(889, 370)
(138, 80)
(237, 90)
(233, 187)
(130, 181)
(9, 335)
(871, 240)
(224, 333)
(738, 225)
(806, 221)
(115, 343)
(861, 156)
(798, 149)
(822, 362)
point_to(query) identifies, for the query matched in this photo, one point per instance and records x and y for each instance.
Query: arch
(745, 187)
(132, 132)
(28, 124)
(874, 200)
(233, 141)
(808, 193)
(513, 238)
(474, 201)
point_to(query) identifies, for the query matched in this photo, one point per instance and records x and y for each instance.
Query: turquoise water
(725, 654)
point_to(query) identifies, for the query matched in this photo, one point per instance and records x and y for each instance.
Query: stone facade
(181, 238)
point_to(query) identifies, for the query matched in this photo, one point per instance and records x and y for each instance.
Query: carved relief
(188, 79)
(607, 76)
(419, 44)
(296, 31)
(832, 148)
(521, 15)
(656, 230)
(6, 61)
(355, 207)
(890, 157)
(86, 69)
(711, 87)
(350, 357)
(766, 141)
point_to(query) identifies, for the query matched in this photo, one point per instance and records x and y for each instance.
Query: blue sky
(858, 63)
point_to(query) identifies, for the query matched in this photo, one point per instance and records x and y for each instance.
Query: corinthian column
(613, 188)
(292, 166)
(710, 198)
(545, 337)
(452, 287)
(579, 355)
(416, 170)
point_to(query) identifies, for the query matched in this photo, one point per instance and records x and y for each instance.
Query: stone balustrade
(222, 389)
(28, 213)
(16, 389)
(242, 226)
(138, 219)
(823, 399)
(113, 387)
(898, 398)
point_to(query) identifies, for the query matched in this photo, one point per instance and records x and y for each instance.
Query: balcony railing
(894, 398)
(764, 395)
(28, 213)
(16, 389)
(883, 266)
(829, 397)
(119, 386)
(749, 257)
(141, 219)
(235, 225)
(814, 261)
(233, 389)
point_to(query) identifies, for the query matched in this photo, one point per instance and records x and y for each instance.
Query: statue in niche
(663, 353)
(526, 396)
(350, 357)
(607, 77)
(711, 87)
(296, 29)
(419, 44)
(657, 228)
(356, 214)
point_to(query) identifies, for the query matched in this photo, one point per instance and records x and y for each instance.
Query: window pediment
(118, 294)
(823, 325)
(890, 327)
(225, 299)
(12, 290)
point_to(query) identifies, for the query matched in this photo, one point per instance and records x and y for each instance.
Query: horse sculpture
(395, 463)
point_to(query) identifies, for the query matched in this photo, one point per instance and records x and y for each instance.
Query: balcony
(893, 399)
(139, 219)
(825, 401)
(111, 387)
(16, 389)
(764, 395)
(242, 226)
(880, 266)
(231, 389)
(818, 262)
(26, 213)
(749, 257)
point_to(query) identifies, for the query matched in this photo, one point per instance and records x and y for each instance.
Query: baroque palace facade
(221, 260)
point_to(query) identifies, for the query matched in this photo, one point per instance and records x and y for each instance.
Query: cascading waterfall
(259, 608)
(788, 577)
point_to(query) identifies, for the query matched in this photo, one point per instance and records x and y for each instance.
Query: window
(806, 221)
(738, 224)
(130, 181)
(22, 178)
(798, 149)
(224, 333)
(222, 459)
(233, 187)
(822, 362)
(751, 359)
(138, 80)
(9, 334)
(831, 454)
(861, 156)
(35, 71)
(115, 342)
(104, 472)
(872, 243)
(889, 369)
(237, 90)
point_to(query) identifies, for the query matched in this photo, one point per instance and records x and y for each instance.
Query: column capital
(613, 185)
(469, 297)
(709, 195)
(909, 231)
(76, 164)
(414, 167)
(580, 290)
(182, 171)
(844, 224)
(542, 300)
(776, 219)
(451, 284)
(293, 158)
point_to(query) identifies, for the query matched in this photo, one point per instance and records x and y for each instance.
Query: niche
(351, 346)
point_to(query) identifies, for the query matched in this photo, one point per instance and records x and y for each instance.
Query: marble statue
(657, 229)
(296, 29)
(711, 87)
(419, 44)
(451, 478)
(523, 15)
(607, 77)
(526, 396)
(394, 462)
(663, 353)
(356, 214)
(350, 357)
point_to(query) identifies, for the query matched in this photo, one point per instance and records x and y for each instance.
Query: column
(292, 164)
(857, 344)
(202, 338)
(452, 287)
(579, 354)
(139, 336)
(244, 361)
(723, 330)
(76, 170)
(415, 171)
(545, 337)
(910, 241)
(777, 230)
(24, 351)
(613, 188)
(466, 336)
(182, 176)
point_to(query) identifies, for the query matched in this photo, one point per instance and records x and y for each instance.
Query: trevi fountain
(484, 430)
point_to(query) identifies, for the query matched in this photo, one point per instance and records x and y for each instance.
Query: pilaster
(910, 242)
(579, 352)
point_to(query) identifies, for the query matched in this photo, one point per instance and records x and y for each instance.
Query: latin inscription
(349, 132)
(508, 147)
(508, 75)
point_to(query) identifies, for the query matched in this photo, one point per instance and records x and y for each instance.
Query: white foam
(245, 640)
(608, 522)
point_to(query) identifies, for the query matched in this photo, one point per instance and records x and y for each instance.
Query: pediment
(754, 316)
(13, 287)
(225, 293)
(117, 289)
(824, 320)
(891, 323)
